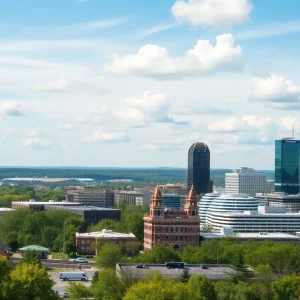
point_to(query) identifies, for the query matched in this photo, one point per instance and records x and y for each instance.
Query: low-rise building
(290, 202)
(90, 214)
(40, 205)
(88, 243)
(95, 198)
(211, 272)
(135, 197)
(70, 191)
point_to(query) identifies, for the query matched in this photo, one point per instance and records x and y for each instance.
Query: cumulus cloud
(155, 61)
(150, 108)
(276, 91)
(234, 124)
(11, 109)
(99, 136)
(212, 12)
(101, 116)
(38, 143)
(207, 110)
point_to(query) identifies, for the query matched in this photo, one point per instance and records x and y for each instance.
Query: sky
(135, 83)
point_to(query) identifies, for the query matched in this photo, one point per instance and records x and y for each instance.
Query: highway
(60, 286)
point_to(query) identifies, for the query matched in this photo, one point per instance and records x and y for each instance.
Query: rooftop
(254, 235)
(88, 208)
(3, 209)
(50, 202)
(105, 233)
(34, 247)
(213, 272)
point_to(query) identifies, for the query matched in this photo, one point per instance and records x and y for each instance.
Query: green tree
(135, 223)
(5, 268)
(286, 288)
(28, 282)
(185, 275)
(159, 255)
(108, 286)
(78, 291)
(32, 257)
(109, 255)
(201, 288)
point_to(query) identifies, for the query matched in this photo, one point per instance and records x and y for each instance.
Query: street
(60, 285)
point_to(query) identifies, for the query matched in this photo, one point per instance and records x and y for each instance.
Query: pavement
(60, 286)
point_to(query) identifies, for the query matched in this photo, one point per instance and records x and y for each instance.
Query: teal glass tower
(287, 166)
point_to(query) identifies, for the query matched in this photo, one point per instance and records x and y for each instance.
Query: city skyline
(81, 81)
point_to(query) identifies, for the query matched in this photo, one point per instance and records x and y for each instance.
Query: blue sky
(135, 83)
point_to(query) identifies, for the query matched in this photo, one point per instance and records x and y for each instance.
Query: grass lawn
(58, 255)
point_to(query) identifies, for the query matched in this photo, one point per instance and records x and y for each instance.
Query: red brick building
(176, 228)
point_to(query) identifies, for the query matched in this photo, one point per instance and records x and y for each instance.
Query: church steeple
(157, 204)
(191, 203)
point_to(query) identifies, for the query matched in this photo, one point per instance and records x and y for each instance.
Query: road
(60, 285)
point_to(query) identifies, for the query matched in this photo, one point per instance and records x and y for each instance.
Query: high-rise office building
(199, 168)
(245, 181)
(287, 166)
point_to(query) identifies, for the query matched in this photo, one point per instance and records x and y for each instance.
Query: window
(158, 228)
(167, 229)
(185, 229)
(185, 238)
(167, 238)
(176, 229)
(82, 242)
(171, 229)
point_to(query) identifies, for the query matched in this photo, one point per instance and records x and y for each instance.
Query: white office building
(204, 204)
(265, 219)
(245, 181)
(134, 197)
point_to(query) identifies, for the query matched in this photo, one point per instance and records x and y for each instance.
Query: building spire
(191, 203)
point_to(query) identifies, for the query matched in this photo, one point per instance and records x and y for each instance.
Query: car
(81, 260)
(142, 267)
(203, 267)
(63, 295)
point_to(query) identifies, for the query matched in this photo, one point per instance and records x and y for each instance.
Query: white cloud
(38, 143)
(99, 136)
(234, 124)
(154, 61)
(58, 86)
(65, 127)
(276, 91)
(212, 12)
(11, 109)
(207, 110)
(150, 108)
(101, 116)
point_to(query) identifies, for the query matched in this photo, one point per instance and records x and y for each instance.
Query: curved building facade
(204, 204)
(199, 168)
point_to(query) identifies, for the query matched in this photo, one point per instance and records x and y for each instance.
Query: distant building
(70, 190)
(287, 166)
(199, 168)
(204, 204)
(245, 181)
(169, 188)
(270, 186)
(173, 201)
(4, 250)
(290, 202)
(90, 214)
(87, 243)
(135, 197)
(176, 228)
(265, 219)
(95, 198)
(44, 252)
(39, 205)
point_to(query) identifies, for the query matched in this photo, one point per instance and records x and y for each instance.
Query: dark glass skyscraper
(199, 168)
(287, 163)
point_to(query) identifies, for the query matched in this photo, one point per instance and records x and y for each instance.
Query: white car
(81, 260)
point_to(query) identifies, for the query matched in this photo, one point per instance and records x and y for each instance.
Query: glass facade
(199, 168)
(287, 164)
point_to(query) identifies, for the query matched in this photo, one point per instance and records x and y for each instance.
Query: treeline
(260, 271)
(109, 286)
(24, 227)
(24, 193)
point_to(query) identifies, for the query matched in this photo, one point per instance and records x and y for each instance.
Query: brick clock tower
(176, 228)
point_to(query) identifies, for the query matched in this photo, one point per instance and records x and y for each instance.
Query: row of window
(176, 238)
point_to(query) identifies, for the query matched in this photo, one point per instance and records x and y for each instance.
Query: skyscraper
(199, 168)
(287, 166)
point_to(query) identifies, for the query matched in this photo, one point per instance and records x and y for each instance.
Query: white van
(73, 276)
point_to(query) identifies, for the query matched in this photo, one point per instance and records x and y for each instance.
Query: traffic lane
(60, 286)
